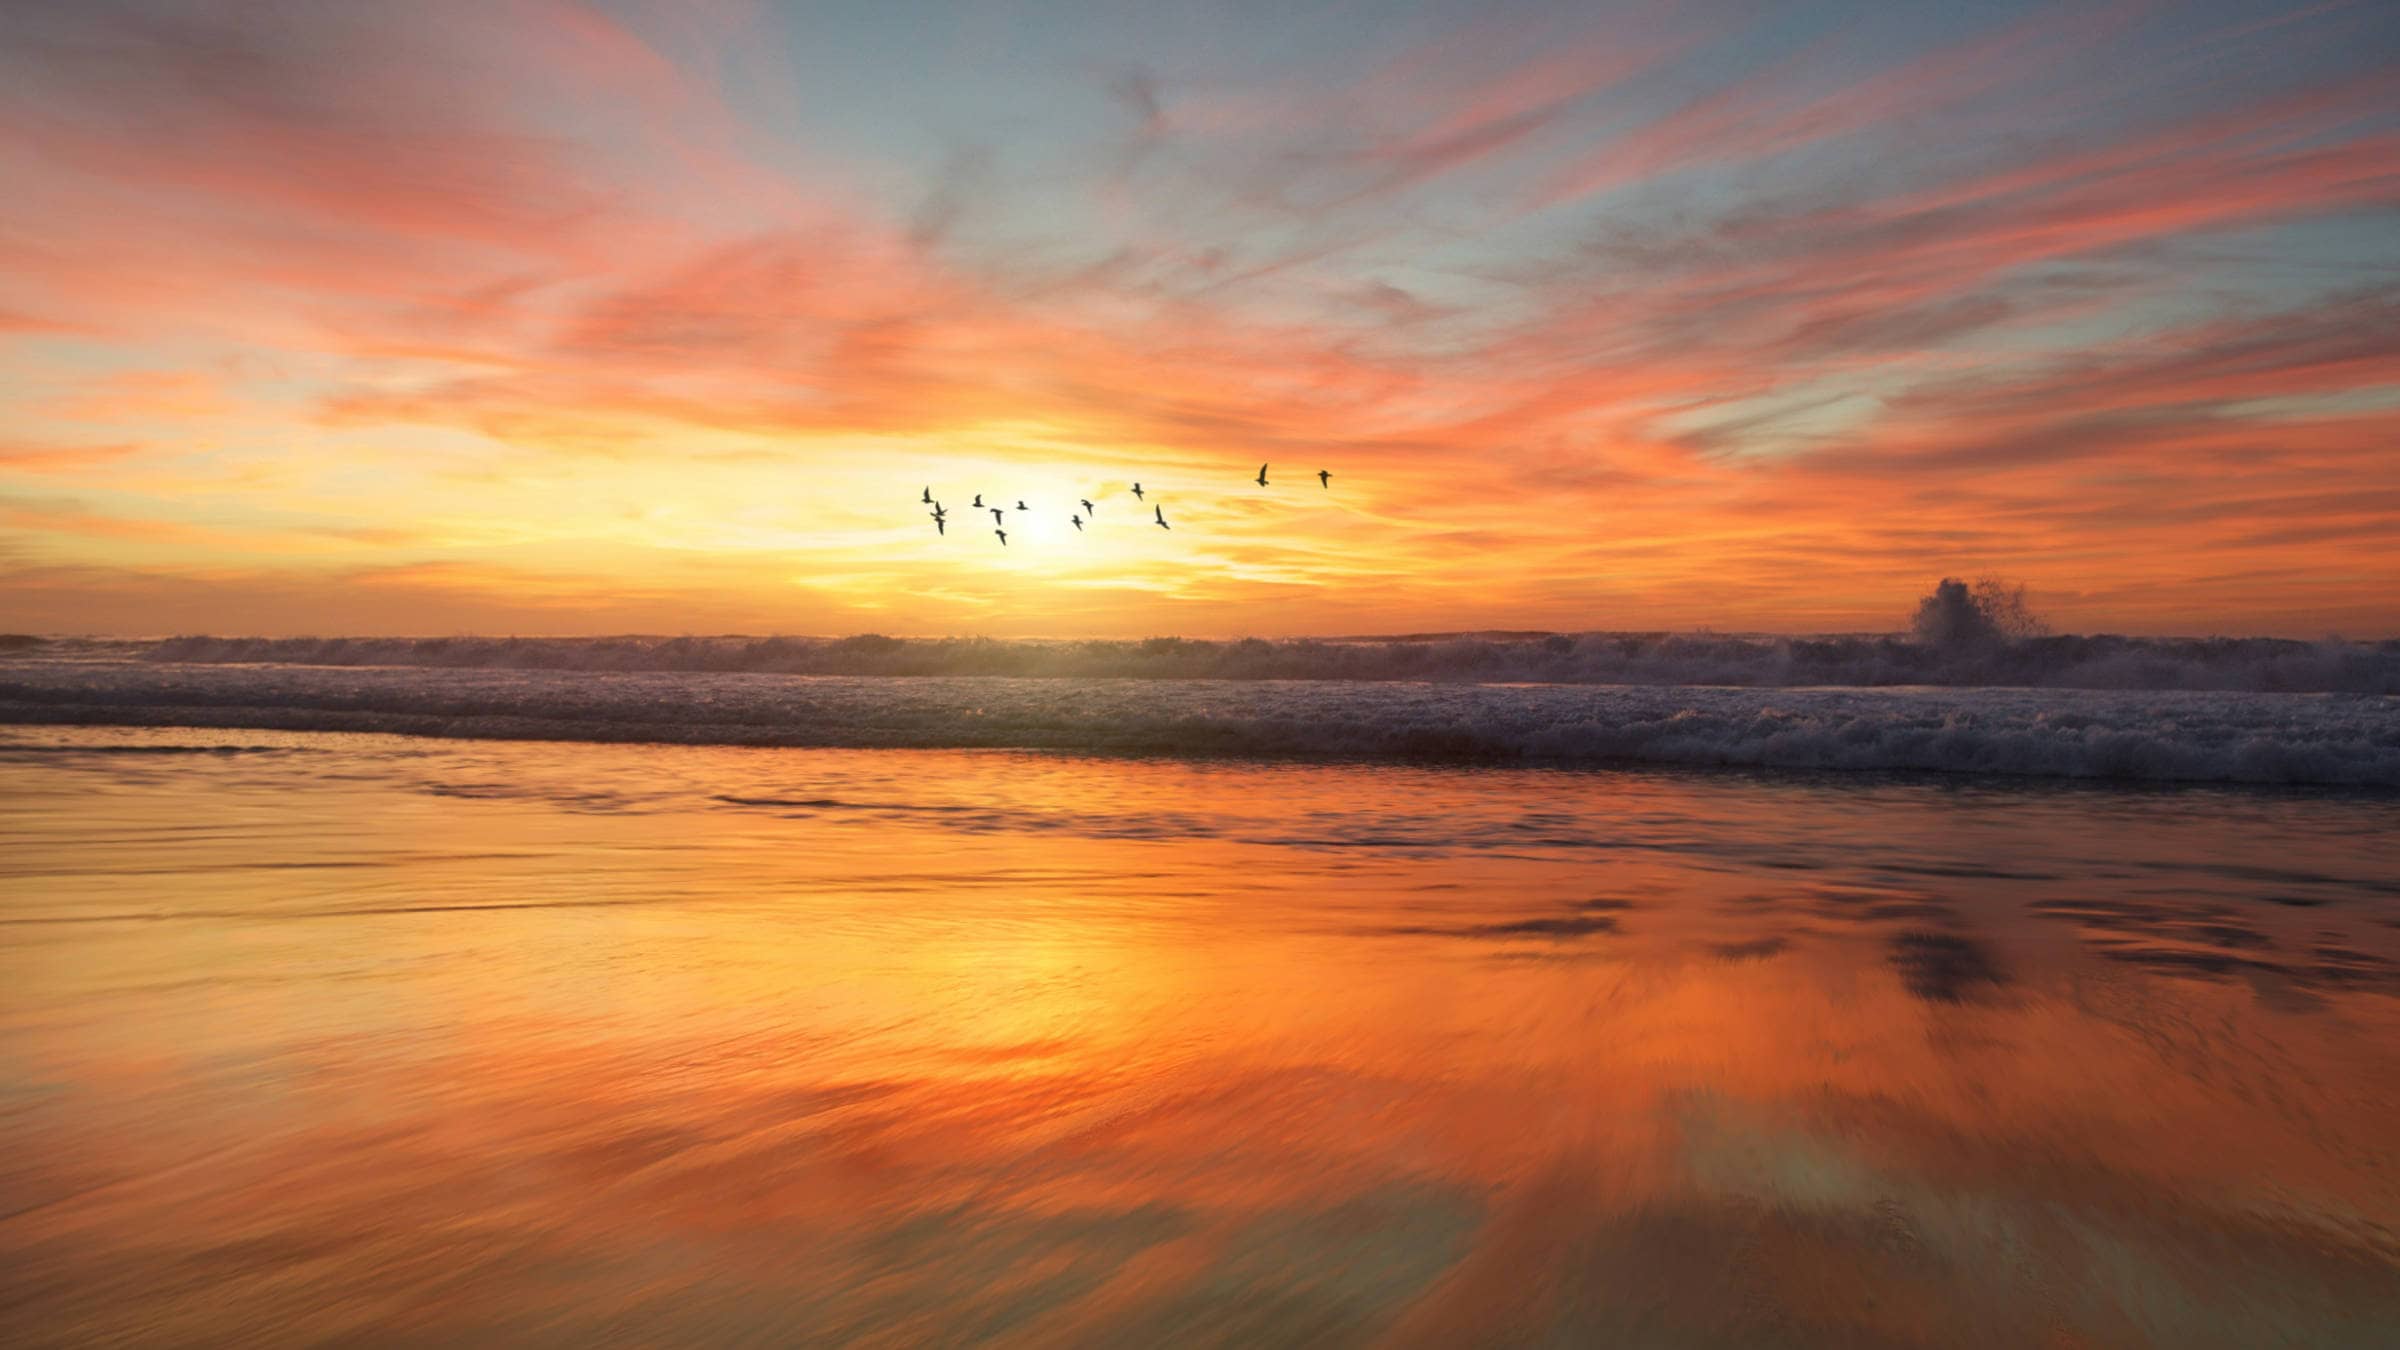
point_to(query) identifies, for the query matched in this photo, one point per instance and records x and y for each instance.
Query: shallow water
(311, 1036)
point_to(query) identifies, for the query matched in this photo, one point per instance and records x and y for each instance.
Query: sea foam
(2136, 736)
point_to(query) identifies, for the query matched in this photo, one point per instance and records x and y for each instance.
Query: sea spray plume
(1958, 615)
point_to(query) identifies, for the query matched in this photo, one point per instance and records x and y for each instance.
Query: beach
(343, 1036)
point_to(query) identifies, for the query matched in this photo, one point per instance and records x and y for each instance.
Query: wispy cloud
(1662, 318)
(20, 457)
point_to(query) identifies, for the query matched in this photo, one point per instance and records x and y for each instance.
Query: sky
(556, 318)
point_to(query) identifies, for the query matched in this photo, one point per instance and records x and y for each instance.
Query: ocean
(2130, 710)
(1619, 990)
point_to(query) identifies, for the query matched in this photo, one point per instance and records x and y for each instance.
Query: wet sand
(372, 1040)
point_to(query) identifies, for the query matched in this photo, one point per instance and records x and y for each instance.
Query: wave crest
(2254, 665)
(2126, 736)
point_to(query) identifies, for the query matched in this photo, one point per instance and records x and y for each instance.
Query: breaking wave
(2139, 736)
(2257, 665)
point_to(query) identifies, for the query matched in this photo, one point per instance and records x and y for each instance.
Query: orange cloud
(528, 305)
(19, 457)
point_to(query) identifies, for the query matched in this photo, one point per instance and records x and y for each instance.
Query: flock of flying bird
(999, 515)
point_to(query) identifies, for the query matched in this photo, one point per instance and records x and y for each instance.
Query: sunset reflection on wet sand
(361, 1039)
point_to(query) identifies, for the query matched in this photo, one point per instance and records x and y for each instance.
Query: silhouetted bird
(979, 501)
(939, 527)
(1003, 537)
(1020, 503)
(1078, 522)
(995, 515)
(1087, 506)
(1262, 475)
(1162, 517)
(1137, 492)
(928, 497)
(1324, 478)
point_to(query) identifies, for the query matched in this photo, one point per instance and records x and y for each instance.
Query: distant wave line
(2256, 665)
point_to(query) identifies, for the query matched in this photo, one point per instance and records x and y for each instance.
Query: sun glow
(471, 344)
